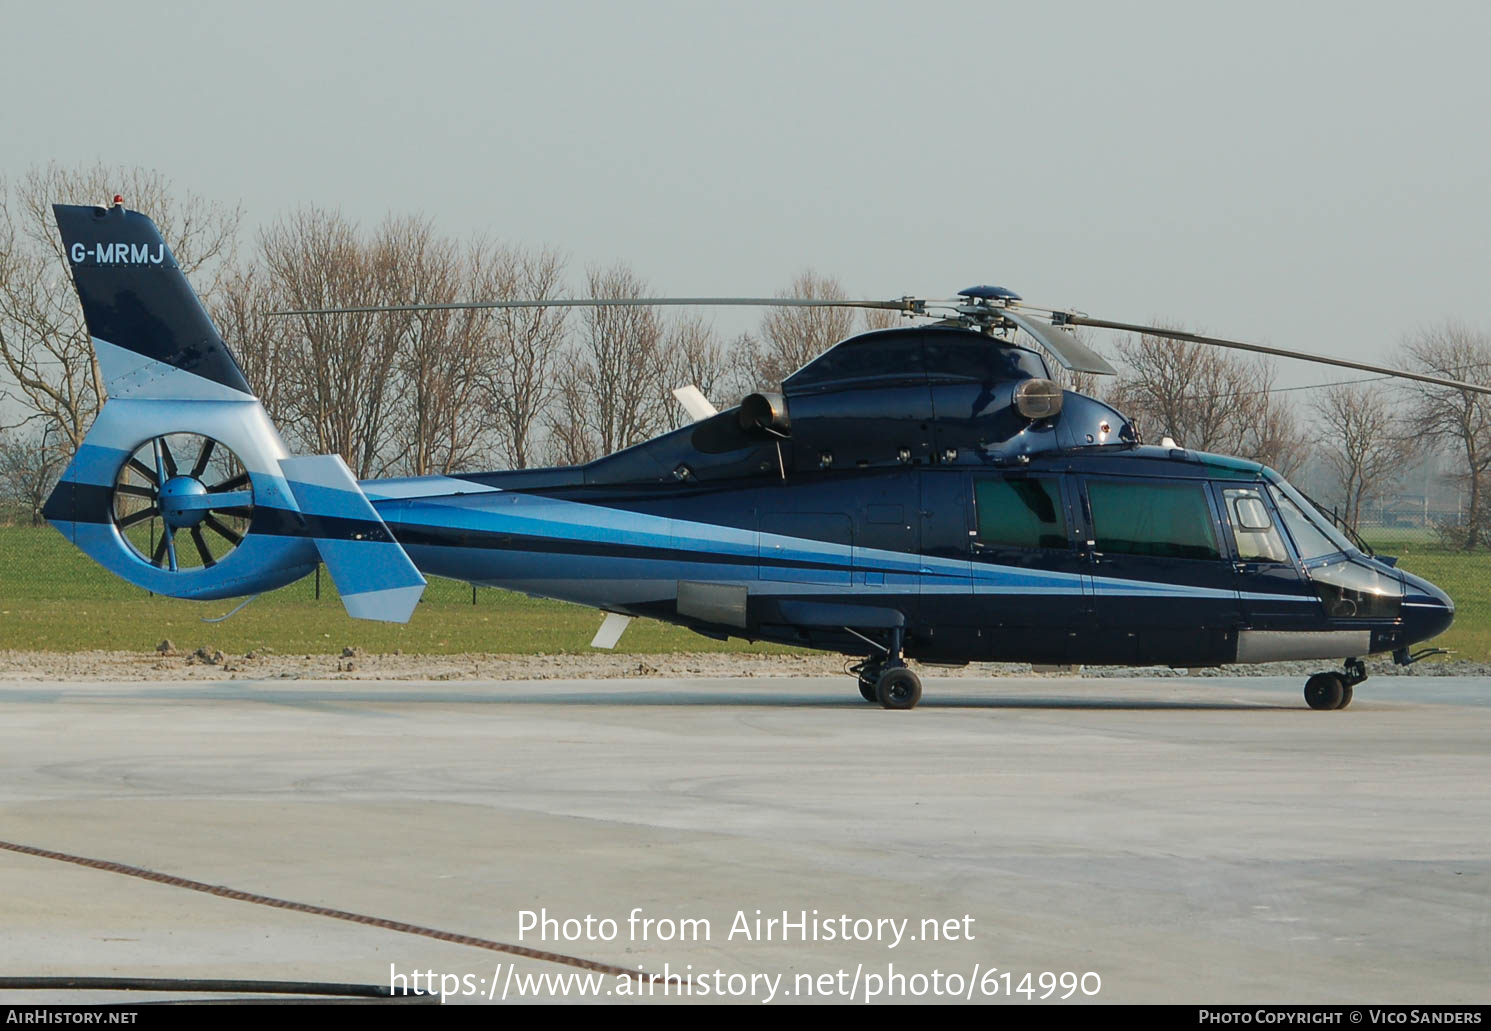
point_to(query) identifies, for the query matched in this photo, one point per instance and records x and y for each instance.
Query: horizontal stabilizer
(372, 573)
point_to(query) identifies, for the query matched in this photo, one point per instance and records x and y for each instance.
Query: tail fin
(151, 334)
(183, 444)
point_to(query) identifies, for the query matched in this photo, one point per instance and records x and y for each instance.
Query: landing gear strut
(1334, 690)
(885, 678)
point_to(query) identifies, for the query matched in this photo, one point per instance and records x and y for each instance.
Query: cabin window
(1253, 528)
(1020, 512)
(1308, 538)
(885, 356)
(1164, 520)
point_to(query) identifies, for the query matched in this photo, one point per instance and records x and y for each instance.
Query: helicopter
(922, 493)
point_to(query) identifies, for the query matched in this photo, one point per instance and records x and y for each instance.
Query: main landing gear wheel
(868, 676)
(898, 688)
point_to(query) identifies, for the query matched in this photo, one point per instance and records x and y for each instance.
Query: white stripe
(422, 487)
(128, 374)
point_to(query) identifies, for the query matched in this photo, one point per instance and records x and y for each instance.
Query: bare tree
(344, 365)
(523, 345)
(1274, 430)
(879, 318)
(435, 413)
(792, 337)
(1362, 441)
(570, 441)
(611, 388)
(1207, 399)
(1458, 419)
(262, 343)
(694, 354)
(30, 463)
(44, 344)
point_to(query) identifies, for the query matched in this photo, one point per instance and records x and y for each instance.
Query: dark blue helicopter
(921, 493)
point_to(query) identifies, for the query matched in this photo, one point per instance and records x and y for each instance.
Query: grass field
(54, 598)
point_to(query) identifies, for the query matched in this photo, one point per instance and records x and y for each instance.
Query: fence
(54, 598)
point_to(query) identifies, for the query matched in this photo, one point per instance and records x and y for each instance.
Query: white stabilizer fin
(695, 403)
(392, 605)
(372, 572)
(611, 629)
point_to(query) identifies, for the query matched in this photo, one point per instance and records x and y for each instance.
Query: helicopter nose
(1427, 611)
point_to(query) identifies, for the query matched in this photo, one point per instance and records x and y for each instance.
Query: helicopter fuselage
(1118, 554)
(930, 487)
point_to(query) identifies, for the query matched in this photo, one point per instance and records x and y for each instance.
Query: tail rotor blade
(144, 470)
(138, 517)
(226, 533)
(203, 457)
(207, 560)
(241, 480)
(167, 457)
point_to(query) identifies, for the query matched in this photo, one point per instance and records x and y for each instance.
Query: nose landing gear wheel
(898, 688)
(1334, 690)
(1327, 691)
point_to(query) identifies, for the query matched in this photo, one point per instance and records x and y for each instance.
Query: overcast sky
(1307, 174)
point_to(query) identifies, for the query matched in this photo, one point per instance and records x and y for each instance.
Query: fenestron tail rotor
(183, 501)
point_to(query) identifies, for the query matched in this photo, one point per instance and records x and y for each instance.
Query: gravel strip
(205, 664)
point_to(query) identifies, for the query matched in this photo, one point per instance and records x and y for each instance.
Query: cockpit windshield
(1313, 534)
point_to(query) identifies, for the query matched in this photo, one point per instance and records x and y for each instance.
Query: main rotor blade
(907, 304)
(1278, 352)
(1069, 351)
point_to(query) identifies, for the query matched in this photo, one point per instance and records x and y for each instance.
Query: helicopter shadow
(341, 697)
(728, 698)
